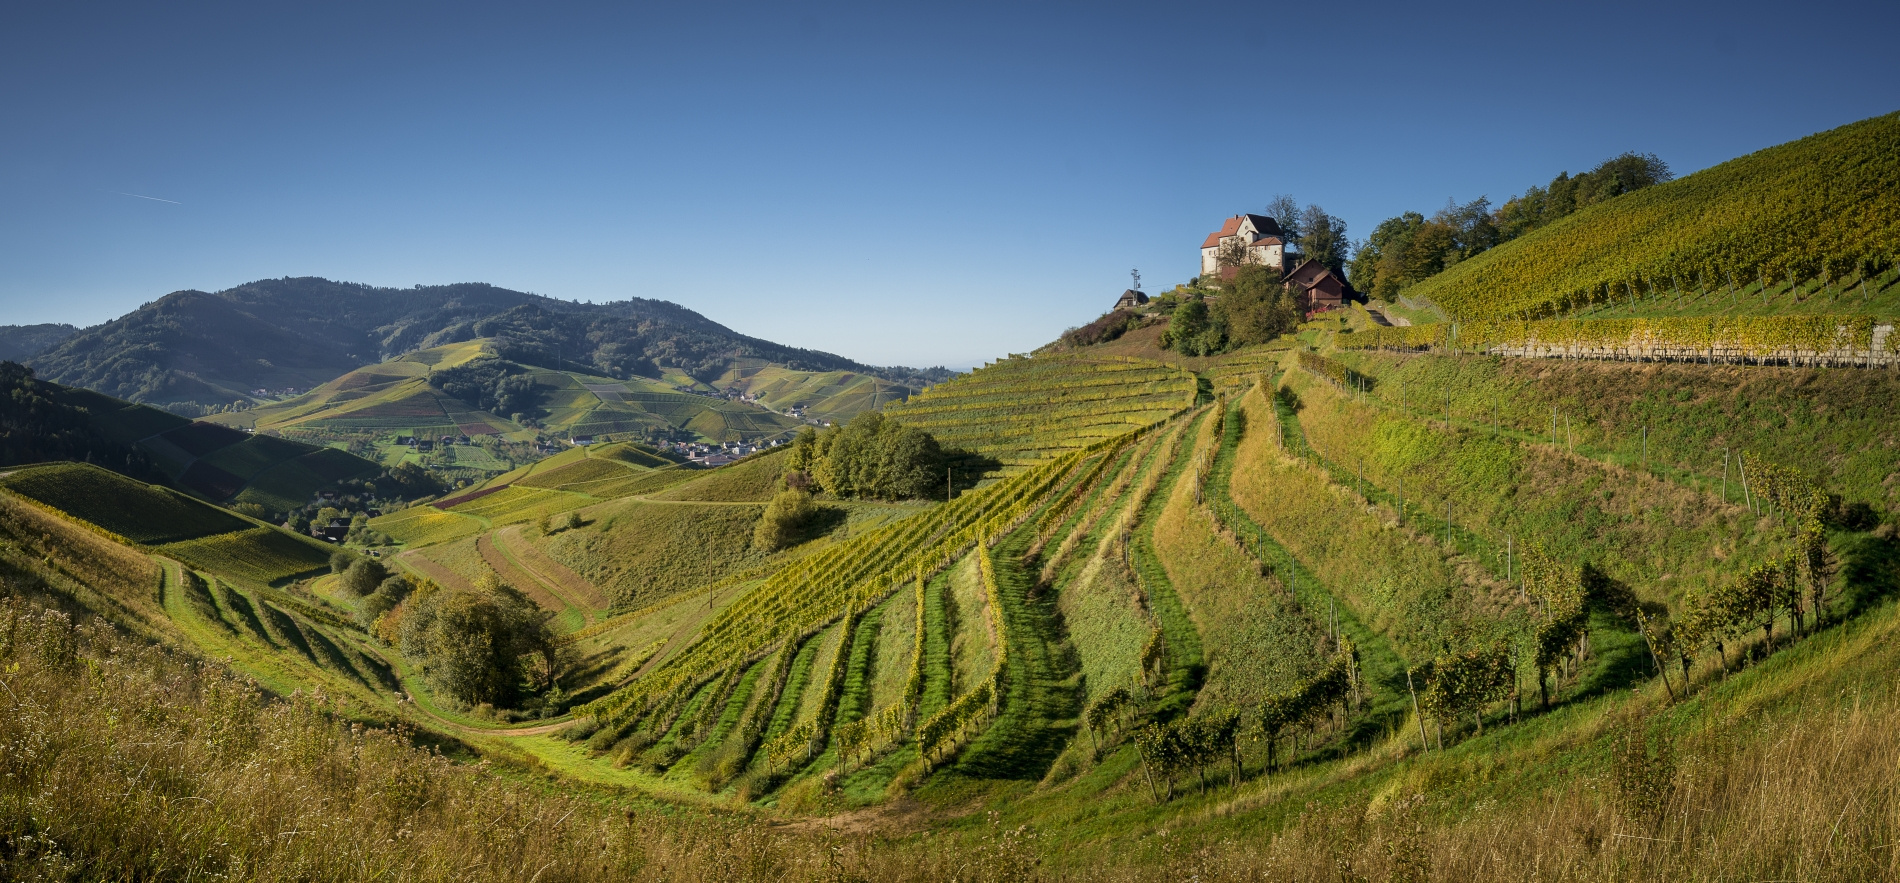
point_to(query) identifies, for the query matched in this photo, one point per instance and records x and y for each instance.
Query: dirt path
(506, 732)
(550, 571)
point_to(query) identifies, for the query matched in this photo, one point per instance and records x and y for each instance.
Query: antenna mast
(1136, 276)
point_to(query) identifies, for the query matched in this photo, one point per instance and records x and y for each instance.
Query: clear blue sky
(898, 183)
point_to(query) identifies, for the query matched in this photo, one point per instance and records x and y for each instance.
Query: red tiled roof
(1228, 229)
(1268, 227)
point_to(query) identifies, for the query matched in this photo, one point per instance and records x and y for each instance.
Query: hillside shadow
(1871, 574)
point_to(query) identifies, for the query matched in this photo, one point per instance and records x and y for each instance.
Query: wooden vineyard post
(1423, 745)
(1645, 444)
(1731, 288)
(1741, 465)
(1724, 474)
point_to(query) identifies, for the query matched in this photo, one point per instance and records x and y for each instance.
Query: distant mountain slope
(43, 422)
(453, 390)
(1825, 207)
(214, 348)
(20, 342)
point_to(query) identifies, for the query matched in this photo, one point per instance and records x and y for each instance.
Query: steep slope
(1816, 215)
(211, 349)
(41, 421)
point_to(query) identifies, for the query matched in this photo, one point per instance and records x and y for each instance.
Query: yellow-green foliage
(424, 525)
(1398, 583)
(258, 555)
(752, 480)
(137, 511)
(1812, 207)
(846, 578)
(1661, 537)
(1256, 640)
(641, 552)
(1026, 410)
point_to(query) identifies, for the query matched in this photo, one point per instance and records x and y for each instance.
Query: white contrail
(152, 198)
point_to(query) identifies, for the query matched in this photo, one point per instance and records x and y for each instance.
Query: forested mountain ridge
(19, 342)
(212, 348)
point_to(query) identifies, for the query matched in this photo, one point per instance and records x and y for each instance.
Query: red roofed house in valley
(1317, 287)
(1257, 238)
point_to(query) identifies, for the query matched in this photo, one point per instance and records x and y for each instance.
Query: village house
(1317, 288)
(1255, 239)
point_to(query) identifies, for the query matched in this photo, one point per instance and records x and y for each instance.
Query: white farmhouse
(1258, 237)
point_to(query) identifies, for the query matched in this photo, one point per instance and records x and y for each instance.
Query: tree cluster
(498, 386)
(487, 645)
(1254, 307)
(871, 457)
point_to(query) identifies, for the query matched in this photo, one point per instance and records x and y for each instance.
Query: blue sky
(899, 183)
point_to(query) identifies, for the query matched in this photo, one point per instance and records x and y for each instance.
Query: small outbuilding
(1318, 288)
(1131, 299)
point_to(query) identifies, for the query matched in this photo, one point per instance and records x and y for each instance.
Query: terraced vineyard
(1026, 411)
(1718, 239)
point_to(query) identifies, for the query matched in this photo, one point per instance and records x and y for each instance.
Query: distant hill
(20, 342)
(1824, 210)
(43, 422)
(470, 389)
(212, 349)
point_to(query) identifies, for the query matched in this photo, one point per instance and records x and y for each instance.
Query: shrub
(363, 576)
(786, 520)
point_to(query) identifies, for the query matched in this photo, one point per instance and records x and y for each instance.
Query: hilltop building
(1131, 299)
(1259, 238)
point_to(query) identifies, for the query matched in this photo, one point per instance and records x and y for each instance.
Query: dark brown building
(1318, 288)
